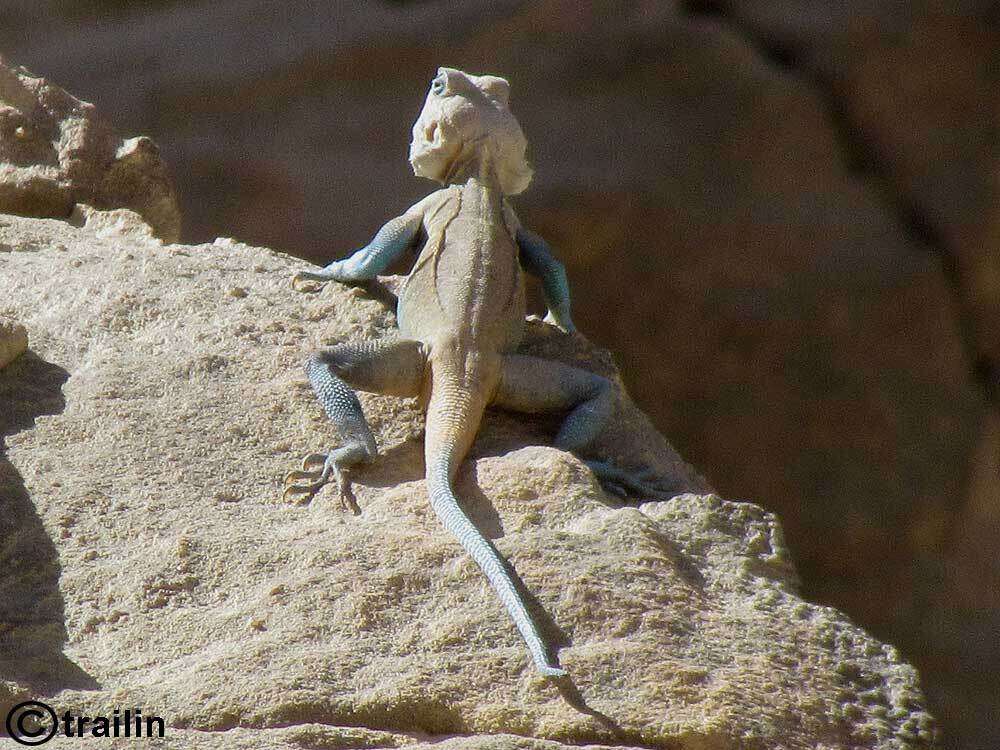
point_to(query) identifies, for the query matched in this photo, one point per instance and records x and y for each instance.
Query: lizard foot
(642, 484)
(317, 471)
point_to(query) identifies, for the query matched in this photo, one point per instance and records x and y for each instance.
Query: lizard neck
(473, 162)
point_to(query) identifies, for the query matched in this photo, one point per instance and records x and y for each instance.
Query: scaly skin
(461, 317)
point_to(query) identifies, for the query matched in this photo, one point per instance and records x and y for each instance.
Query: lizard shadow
(382, 289)
(513, 430)
(507, 432)
(404, 462)
(575, 699)
(486, 518)
(32, 612)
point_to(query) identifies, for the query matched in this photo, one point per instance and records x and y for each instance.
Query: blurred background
(781, 216)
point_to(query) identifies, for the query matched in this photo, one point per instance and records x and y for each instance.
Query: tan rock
(184, 586)
(55, 151)
(117, 222)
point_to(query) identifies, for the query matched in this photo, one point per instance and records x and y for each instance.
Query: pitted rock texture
(56, 152)
(149, 561)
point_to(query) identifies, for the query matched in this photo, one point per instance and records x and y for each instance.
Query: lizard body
(460, 318)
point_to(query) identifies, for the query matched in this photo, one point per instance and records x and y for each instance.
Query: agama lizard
(461, 316)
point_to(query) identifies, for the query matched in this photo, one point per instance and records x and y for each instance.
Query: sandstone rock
(55, 152)
(174, 578)
(913, 89)
(114, 223)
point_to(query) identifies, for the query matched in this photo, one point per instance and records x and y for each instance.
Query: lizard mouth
(431, 131)
(430, 150)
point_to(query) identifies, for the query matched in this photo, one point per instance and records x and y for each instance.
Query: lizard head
(464, 116)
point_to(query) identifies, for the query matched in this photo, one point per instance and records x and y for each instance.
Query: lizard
(460, 317)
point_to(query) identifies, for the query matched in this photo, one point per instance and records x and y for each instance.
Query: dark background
(782, 217)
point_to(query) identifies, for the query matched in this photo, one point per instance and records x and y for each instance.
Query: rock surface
(147, 559)
(56, 152)
(918, 87)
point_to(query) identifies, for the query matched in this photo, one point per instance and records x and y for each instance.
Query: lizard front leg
(537, 258)
(392, 367)
(534, 385)
(365, 264)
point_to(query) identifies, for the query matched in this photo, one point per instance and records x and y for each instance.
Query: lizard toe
(301, 485)
(314, 459)
(308, 276)
(294, 477)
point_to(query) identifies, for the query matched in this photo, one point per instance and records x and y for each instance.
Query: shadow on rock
(32, 630)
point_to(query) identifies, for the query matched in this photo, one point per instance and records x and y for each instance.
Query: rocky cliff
(147, 560)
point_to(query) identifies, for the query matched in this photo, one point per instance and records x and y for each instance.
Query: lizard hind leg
(533, 385)
(392, 367)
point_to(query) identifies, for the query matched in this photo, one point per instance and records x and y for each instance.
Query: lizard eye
(438, 85)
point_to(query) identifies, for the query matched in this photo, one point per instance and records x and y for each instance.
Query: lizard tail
(449, 417)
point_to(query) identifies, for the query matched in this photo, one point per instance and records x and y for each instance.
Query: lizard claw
(300, 494)
(307, 276)
(301, 486)
(643, 484)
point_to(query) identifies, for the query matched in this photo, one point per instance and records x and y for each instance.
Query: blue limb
(537, 259)
(390, 366)
(532, 385)
(368, 262)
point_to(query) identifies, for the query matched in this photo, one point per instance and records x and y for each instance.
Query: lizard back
(467, 286)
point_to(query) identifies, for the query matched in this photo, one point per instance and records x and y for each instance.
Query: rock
(114, 223)
(13, 341)
(916, 86)
(55, 152)
(185, 586)
(913, 93)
